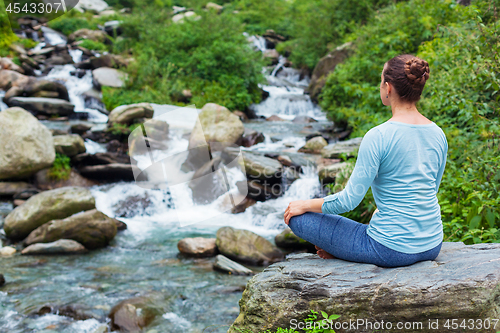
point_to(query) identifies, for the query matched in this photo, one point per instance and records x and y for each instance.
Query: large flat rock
(42, 105)
(462, 283)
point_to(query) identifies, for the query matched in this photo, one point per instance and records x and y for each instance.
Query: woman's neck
(407, 113)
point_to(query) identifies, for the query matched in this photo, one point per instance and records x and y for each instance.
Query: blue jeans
(347, 239)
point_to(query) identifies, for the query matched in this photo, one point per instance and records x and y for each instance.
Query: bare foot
(323, 254)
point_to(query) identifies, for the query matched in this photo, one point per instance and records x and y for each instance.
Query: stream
(144, 258)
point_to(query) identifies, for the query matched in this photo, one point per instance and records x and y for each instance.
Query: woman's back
(411, 164)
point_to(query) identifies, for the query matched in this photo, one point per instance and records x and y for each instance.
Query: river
(144, 258)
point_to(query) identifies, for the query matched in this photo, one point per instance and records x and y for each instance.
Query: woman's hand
(295, 208)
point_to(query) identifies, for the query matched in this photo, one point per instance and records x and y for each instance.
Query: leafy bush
(71, 22)
(93, 45)
(61, 168)
(461, 46)
(209, 56)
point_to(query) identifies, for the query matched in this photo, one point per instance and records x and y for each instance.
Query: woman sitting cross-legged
(403, 161)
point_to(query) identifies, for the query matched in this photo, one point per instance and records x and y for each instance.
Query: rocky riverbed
(86, 248)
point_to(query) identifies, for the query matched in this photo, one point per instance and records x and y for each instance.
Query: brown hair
(408, 75)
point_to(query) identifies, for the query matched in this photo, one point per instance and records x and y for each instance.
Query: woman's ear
(388, 87)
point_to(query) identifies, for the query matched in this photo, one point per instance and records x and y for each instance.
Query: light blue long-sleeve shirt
(404, 164)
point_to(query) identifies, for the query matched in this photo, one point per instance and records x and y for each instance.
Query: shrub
(61, 168)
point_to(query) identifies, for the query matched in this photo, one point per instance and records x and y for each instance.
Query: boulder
(272, 39)
(259, 192)
(328, 173)
(69, 145)
(92, 229)
(462, 283)
(47, 206)
(288, 240)
(110, 172)
(207, 184)
(325, 66)
(9, 79)
(86, 159)
(62, 246)
(224, 264)
(45, 182)
(2, 280)
(217, 127)
(272, 55)
(27, 145)
(108, 60)
(7, 63)
(275, 118)
(126, 114)
(197, 247)
(336, 150)
(7, 251)
(304, 120)
(246, 246)
(263, 168)
(9, 189)
(314, 145)
(134, 314)
(42, 105)
(109, 77)
(94, 35)
(243, 205)
(251, 137)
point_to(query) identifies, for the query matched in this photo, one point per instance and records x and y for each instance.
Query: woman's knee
(296, 223)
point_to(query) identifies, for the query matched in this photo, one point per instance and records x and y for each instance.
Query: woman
(403, 161)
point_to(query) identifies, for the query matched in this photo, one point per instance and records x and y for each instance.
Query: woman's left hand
(295, 208)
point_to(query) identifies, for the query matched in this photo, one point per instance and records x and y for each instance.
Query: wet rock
(243, 205)
(94, 35)
(2, 280)
(7, 251)
(9, 79)
(45, 106)
(197, 247)
(120, 226)
(259, 192)
(7, 63)
(109, 77)
(80, 128)
(108, 60)
(126, 114)
(242, 115)
(251, 137)
(44, 181)
(263, 168)
(47, 206)
(246, 246)
(79, 73)
(62, 246)
(225, 264)
(27, 145)
(272, 56)
(304, 120)
(314, 145)
(328, 173)
(458, 284)
(132, 315)
(335, 150)
(86, 159)
(9, 189)
(69, 145)
(17, 48)
(113, 28)
(275, 118)
(110, 172)
(18, 202)
(208, 184)
(325, 66)
(217, 126)
(288, 240)
(272, 39)
(92, 229)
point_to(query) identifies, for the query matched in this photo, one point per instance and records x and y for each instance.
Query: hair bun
(417, 72)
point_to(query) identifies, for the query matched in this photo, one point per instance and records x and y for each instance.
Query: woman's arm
(300, 207)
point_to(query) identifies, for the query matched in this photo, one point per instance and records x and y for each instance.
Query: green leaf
(325, 315)
(474, 223)
(490, 218)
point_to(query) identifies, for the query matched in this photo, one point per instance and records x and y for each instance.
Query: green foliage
(6, 35)
(311, 324)
(121, 129)
(72, 21)
(462, 95)
(209, 56)
(93, 45)
(61, 168)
